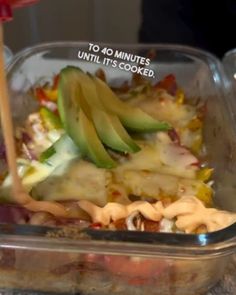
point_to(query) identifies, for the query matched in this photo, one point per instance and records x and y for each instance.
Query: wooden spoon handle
(7, 127)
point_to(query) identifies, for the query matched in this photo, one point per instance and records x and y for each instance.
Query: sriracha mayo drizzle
(190, 213)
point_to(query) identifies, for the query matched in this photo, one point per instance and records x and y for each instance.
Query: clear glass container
(229, 63)
(8, 55)
(106, 262)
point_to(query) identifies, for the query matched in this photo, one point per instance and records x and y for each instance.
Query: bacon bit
(168, 83)
(137, 79)
(101, 75)
(151, 226)
(96, 225)
(148, 225)
(174, 136)
(120, 224)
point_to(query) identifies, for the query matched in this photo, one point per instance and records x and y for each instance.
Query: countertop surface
(227, 286)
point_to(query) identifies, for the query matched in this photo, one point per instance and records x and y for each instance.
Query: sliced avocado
(68, 106)
(131, 117)
(92, 143)
(108, 126)
(112, 132)
(79, 127)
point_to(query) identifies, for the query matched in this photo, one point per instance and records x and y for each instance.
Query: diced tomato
(55, 82)
(168, 83)
(46, 93)
(40, 94)
(96, 225)
(135, 270)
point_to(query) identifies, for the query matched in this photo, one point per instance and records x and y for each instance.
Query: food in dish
(129, 158)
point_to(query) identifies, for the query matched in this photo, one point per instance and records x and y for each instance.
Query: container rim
(230, 52)
(146, 244)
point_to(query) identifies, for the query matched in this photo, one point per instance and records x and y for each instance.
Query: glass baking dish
(106, 262)
(8, 55)
(229, 63)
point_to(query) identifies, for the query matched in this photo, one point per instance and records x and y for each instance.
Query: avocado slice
(108, 126)
(95, 149)
(131, 117)
(112, 132)
(69, 107)
(77, 125)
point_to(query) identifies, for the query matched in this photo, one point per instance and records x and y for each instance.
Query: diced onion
(130, 221)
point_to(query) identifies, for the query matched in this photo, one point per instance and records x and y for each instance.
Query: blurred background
(206, 24)
(86, 20)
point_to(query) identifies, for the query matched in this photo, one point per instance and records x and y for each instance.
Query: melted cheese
(163, 106)
(156, 185)
(162, 156)
(76, 180)
(166, 109)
